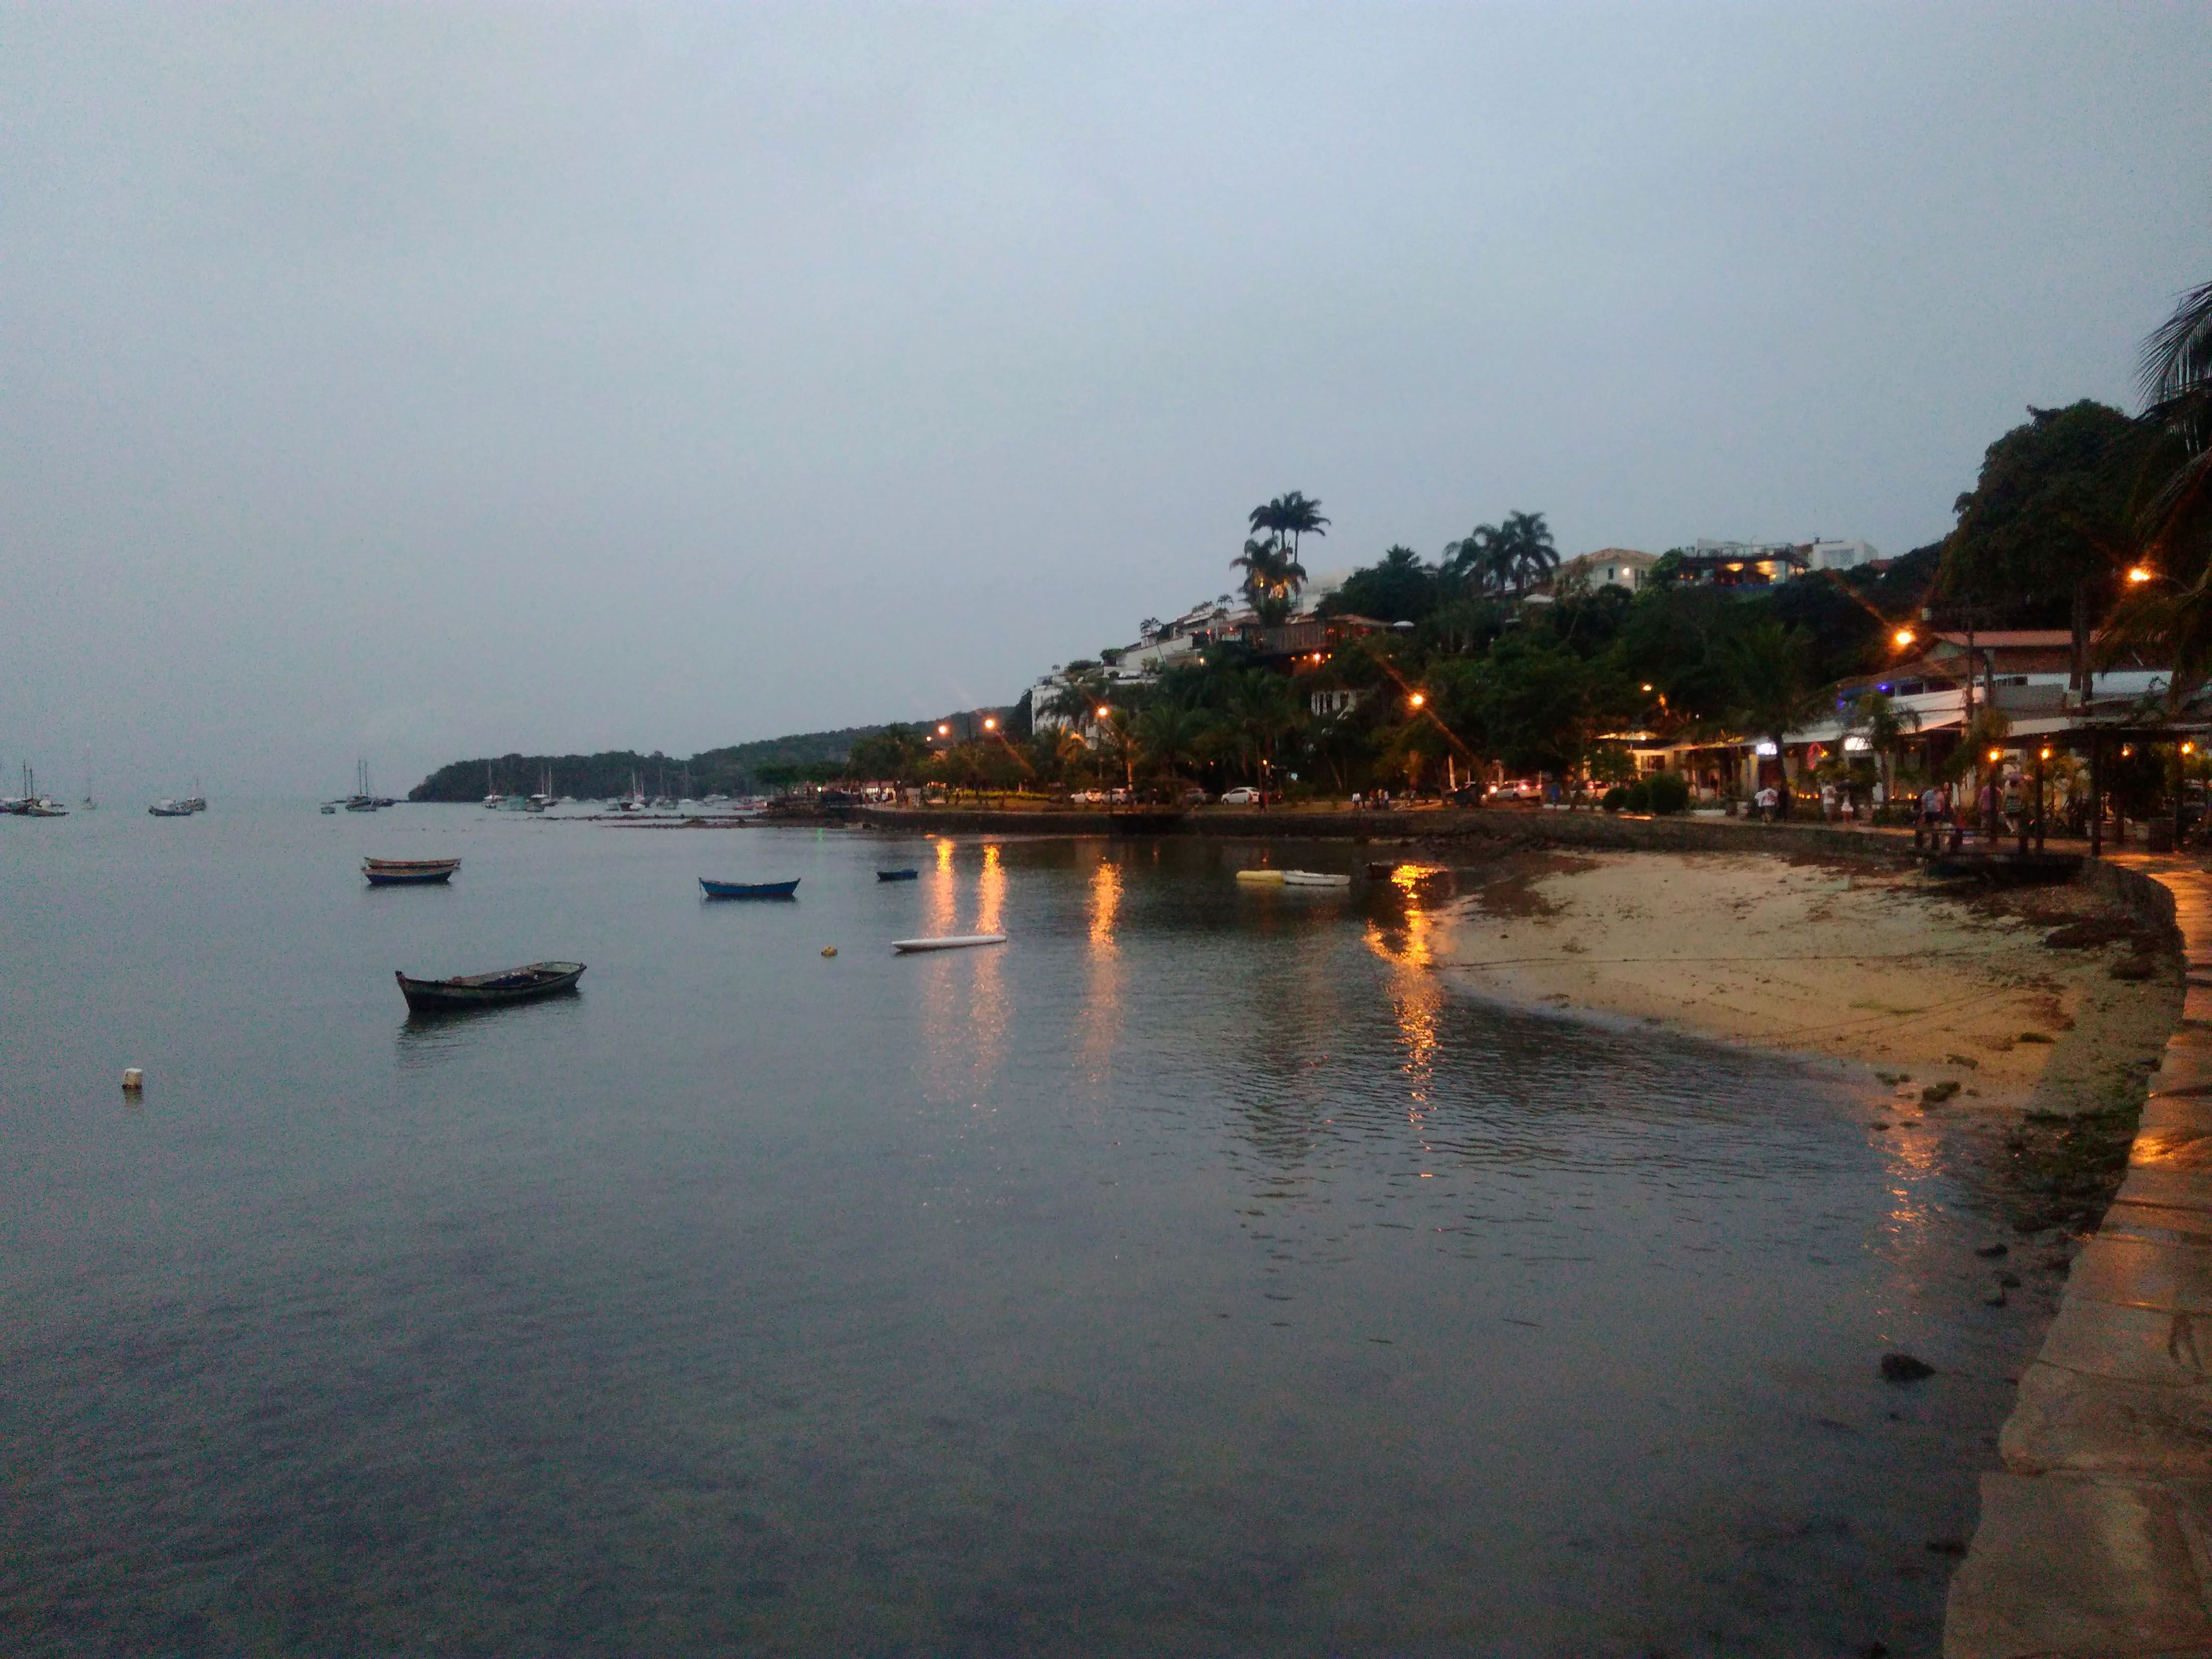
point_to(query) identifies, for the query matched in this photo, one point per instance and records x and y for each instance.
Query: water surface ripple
(1192, 1274)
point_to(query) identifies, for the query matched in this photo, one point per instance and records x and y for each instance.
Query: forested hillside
(735, 769)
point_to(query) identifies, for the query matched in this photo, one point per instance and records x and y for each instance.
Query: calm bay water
(1192, 1274)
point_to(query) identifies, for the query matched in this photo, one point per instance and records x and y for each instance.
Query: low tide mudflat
(1195, 1274)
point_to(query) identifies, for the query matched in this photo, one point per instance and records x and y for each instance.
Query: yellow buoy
(828, 950)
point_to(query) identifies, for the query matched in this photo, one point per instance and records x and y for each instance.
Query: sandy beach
(1872, 967)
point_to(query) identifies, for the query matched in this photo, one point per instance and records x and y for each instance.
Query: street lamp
(1103, 711)
(1903, 637)
(2140, 573)
(1416, 700)
(943, 730)
(990, 722)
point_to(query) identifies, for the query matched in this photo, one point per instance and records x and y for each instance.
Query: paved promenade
(2096, 1539)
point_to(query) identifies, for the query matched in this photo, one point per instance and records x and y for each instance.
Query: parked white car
(1242, 795)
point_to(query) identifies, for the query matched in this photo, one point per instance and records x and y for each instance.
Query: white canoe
(949, 942)
(1262, 878)
(1313, 879)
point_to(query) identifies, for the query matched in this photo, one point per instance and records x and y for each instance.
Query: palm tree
(2177, 382)
(1885, 721)
(1511, 557)
(2173, 616)
(1263, 709)
(1169, 738)
(1273, 577)
(1775, 690)
(1293, 515)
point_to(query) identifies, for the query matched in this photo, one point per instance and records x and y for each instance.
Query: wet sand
(1876, 969)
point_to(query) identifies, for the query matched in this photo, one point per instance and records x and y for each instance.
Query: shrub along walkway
(2096, 1539)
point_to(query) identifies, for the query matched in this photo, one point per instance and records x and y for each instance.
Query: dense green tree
(1397, 589)
(1543, 706)
(2047, 529)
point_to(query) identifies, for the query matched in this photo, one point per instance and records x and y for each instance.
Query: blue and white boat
(739, 890)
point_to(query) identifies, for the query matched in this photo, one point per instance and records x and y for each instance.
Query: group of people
(1996, 809)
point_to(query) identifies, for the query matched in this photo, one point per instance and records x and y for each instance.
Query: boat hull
(408, 878)
(750, 889)
(898, 875)
(1313, 879)
(472, 990)
(953, 942)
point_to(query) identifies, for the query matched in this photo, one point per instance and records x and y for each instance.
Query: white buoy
(133, 1080)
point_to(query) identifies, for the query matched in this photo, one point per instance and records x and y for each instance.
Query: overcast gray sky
(414, 383)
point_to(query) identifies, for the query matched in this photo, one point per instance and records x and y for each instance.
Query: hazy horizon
(417, 384)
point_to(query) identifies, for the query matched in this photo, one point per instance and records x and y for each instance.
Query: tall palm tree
(1292, 515)
(1885, 721)
(1774, 690)
(1508, 558)
(1170, 739)
(1264, 709)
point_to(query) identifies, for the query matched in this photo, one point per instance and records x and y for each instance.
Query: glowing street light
(1995, 754)
(943, 729)
(1416, 700)
(2140, 573)
(1103, 711)
(1647, 688)
(1903, 637)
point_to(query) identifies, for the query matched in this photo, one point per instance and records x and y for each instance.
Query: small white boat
(1262, 878)
(1313, 879)
(948, 942)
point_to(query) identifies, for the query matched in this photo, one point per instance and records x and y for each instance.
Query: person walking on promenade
(1827, 803)
(1928, 828)
(1985, 804)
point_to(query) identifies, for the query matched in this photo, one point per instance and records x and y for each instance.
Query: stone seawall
(2096, 1537)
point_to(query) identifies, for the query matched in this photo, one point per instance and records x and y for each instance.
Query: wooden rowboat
(948, 942)
(526, 984)
(898, 875)
(408, 873)
(721, 889)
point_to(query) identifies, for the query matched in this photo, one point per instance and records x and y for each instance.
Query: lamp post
(2182, 750)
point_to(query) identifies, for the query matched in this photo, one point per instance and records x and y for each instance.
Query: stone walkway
(2096, 1539)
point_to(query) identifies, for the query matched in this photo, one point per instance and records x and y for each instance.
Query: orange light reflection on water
(966, 1011)
(1416, 999)
(1098, 1024)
